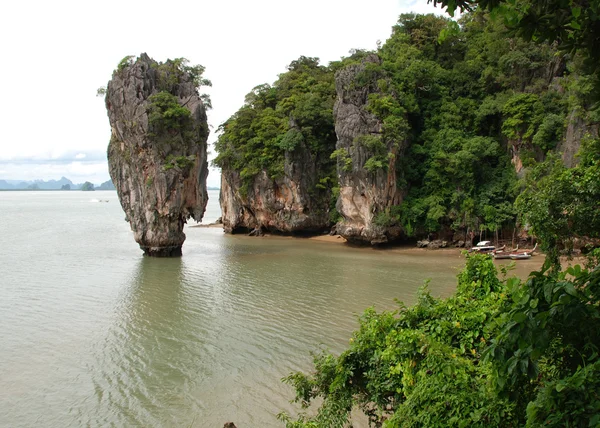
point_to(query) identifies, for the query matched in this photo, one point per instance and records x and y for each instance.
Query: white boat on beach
(483, 247)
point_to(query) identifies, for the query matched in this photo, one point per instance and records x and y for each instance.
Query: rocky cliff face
(363, 194)
(157, 151)
(577, 130)
(290, 204)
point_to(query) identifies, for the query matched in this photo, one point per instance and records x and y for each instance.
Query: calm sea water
(93, 334)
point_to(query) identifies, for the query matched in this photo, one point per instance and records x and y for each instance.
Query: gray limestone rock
(363, 194)
(157, 162)
(283, 205)
(438, 243)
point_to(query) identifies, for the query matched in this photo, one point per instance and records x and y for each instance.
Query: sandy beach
(521, 269)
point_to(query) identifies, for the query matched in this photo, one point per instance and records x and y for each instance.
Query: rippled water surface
(94, 334)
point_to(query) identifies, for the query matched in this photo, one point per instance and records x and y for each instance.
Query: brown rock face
(363, 194)
(157, 151)
(283, 205)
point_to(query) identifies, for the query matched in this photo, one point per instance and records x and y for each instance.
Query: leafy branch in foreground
(497, 353)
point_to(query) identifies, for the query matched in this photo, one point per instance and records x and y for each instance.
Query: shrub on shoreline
(497, 352)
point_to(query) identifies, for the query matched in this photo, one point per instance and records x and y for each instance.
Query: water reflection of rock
(157, 351)
(208, 337)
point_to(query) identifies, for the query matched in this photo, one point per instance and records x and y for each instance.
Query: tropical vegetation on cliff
(295, 113)
(564, 203)
(466, 112)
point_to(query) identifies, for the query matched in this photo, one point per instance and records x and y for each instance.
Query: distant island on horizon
(62, 184)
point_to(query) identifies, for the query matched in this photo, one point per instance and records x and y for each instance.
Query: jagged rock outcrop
(290, 204)
(363, 194)
(157, 151)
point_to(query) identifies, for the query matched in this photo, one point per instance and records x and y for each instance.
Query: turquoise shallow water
(94, 334)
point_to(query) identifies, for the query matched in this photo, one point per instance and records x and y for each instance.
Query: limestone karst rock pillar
(157, 152)
(363, 194)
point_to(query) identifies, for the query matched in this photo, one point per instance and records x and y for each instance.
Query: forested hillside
(453, 116)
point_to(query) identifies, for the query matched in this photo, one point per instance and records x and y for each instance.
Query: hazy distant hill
(62, 184)
(6, 185)
(54, 184)
(107, 185)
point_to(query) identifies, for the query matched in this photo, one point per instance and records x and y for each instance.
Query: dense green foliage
(562, 203)
(181, 162)
(174, 71)
(458, 103)
(498, 352)
(166, 114)
(573, 25)
(125, 62)
(462, 107)
(170, 126)
(294, 115)
(469, 111)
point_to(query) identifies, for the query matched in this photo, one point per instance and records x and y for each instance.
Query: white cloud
(60, 52)
(80, 156)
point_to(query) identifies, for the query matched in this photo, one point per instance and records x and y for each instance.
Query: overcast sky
(55, 54)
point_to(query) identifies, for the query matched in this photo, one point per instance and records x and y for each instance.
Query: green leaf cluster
(574, 26)
(181, 162)
(165, 114)
(125, 62)
(173, 72)
(545, 354)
